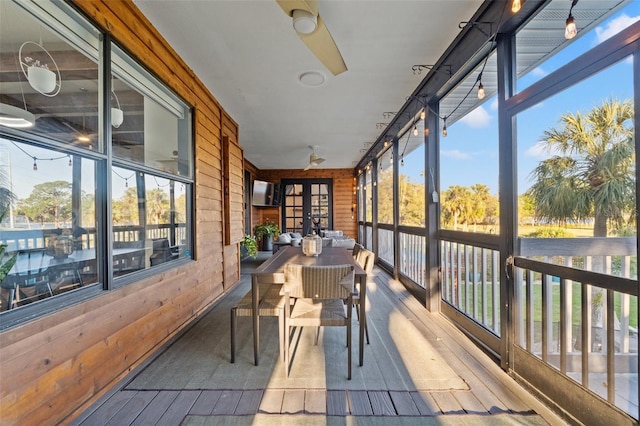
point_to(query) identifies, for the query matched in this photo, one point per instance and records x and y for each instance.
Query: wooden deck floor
(191, 382)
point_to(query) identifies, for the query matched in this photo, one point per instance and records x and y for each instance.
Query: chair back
(319, 282)
(356, 249)
(366, 259)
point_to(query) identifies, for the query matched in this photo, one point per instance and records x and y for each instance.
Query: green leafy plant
(266, 229)
(250, 245)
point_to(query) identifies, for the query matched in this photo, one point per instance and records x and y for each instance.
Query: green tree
(385, 196)
(411, 206)
(48, 202)
(456, 205)
(526, 208)
(591, 172)
(158, 207)
(124, 210)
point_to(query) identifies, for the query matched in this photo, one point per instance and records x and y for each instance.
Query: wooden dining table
(272, 271)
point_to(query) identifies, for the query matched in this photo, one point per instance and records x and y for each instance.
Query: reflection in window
(48, 224)
(150, 125)
(43, 74)
(149, 220)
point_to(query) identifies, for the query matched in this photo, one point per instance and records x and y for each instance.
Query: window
(469, 155)
(54, 177)
(411, 177)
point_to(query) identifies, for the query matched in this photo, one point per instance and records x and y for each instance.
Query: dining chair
(356, 249)
(366, 259)
(32, 282)
(270, 304)
(323, 297)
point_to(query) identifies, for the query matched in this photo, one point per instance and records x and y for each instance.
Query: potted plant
(250, 245)
(265, 233)
(40, 77)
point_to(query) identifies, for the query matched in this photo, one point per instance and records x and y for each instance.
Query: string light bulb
(423, 114)
(480, 91)
(35, 164)
(70, 162)
(402, 162)
(444, 128)
(515, 6)
(415, 130)
(571, 30)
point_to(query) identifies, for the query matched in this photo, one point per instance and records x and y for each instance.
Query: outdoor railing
(413, 255)
(470, 276)
(385, 245)
(580, 322)
(22, 239)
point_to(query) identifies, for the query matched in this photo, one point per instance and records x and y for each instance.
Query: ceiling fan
(314, 33)
(314, 159)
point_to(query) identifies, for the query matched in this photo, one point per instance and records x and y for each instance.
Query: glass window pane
(149, 220)
(49, 223)
(53, 85)
(151, 126)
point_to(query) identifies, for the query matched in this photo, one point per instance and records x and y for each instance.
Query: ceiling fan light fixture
(17, 118)
(304, 22)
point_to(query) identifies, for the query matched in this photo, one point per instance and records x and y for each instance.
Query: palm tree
(591, 174)
(457, 205)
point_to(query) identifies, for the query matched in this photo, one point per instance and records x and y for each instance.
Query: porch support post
(508, 196)
(432, 207)
(396, 207)
(636, 104)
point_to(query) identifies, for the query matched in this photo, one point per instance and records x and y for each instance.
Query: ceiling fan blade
(308, 167)
(317, 161)
(289, 6)
(320, 42)
(324, 47)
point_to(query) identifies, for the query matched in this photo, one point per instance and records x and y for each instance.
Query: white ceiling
(248, 55)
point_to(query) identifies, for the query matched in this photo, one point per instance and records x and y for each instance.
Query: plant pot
(267, 243)
(117, 117)
(41, 79)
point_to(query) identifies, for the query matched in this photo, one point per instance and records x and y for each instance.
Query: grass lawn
(576, 300)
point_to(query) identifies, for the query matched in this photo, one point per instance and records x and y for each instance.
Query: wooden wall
(55, 366)
(343, 197)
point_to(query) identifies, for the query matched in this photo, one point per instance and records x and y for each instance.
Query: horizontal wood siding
(343, 197)
(55, 366)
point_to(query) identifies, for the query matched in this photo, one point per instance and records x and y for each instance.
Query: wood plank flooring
(492, 396)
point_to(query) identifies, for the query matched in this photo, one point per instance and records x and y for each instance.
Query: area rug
(402, 355)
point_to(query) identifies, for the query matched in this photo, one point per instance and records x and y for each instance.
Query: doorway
(307, 205)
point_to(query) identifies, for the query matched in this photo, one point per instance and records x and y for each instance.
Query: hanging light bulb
(70, 162)
(402, 162)
(444, 128)
(423, 114)
(480, 91)
(386, 143)
(515, 6)
(570, 29)
(415, 130)
(35, 165)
